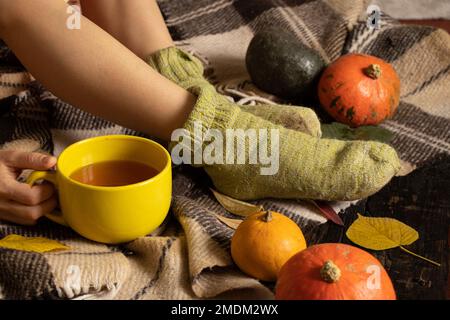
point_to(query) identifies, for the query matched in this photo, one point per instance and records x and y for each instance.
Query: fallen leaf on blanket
(341, 131)
(38, 244)
(382, 234)
(237, 207)
(405, 169)
(327, 211)
(232, 223)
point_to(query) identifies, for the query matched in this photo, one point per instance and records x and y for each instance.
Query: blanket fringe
(240, 91)
(75, 291)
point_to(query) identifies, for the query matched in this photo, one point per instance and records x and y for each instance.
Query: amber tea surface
(114, 173)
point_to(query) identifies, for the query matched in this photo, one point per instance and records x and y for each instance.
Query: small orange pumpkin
(264, 242)
(334, 271)
(359, 89)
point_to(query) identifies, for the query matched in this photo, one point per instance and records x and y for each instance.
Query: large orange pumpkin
(264, 242)
(359, 89)
(334, 271)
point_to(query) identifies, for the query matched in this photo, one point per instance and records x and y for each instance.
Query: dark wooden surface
(443, 24)
(422, 201)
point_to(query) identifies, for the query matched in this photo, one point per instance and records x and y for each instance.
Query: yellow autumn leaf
(381, 233)
(37, 244)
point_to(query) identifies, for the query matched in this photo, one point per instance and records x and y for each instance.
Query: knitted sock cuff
(176, 65)
(211, 111)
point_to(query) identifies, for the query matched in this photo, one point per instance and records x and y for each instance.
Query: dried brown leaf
(232, 223)
(237, 207)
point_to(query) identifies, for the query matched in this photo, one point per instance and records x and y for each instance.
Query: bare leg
(137, 24)
(90, 69)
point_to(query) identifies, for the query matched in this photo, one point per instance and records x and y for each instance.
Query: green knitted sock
(307, 167)
(190, 72)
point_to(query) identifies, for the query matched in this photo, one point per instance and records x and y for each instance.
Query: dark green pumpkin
(280, 64)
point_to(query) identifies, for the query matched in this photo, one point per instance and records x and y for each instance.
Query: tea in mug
(114, 173)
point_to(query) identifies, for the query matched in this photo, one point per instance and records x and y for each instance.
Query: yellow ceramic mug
(111, 214)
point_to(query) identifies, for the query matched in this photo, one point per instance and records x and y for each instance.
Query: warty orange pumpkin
(359, 89)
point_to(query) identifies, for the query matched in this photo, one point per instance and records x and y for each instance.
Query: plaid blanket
(189, 258)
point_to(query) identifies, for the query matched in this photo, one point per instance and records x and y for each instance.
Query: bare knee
(14, 13)
(6, 14)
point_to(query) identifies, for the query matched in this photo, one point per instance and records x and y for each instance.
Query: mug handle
(50, 177)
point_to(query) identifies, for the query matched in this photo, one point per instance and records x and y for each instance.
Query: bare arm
(90, 69)
(137, 24)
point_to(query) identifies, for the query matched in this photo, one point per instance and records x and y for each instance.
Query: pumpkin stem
(268, 216)
(330, 272)
(373, 71)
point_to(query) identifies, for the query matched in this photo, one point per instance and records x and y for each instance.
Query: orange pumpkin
(264, 242)
(334, 271)
(359, 89)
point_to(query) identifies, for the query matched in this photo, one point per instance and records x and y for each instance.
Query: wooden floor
(443, 24)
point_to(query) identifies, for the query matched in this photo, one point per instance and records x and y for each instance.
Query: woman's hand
(19, 202)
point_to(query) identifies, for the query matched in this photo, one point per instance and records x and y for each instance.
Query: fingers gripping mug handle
(50, 177)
